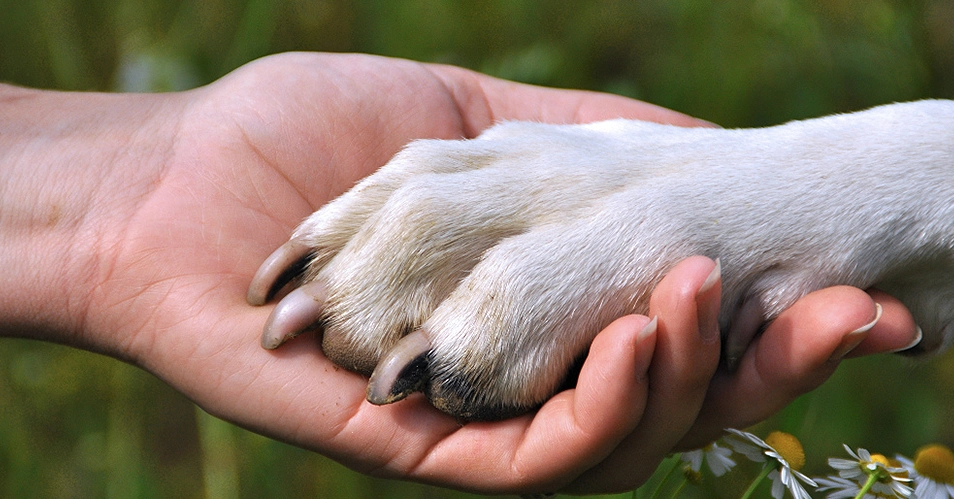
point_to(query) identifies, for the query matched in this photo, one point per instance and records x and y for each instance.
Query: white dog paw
(479, 271)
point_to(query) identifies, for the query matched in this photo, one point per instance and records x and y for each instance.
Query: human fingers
(895, 331)
(574, 430)
(797, 352)
(686, 303)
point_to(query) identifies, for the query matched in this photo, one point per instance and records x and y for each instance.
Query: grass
(75, 424)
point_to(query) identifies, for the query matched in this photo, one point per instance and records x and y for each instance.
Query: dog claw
(296, 313)
(276, 271)
(402, 371)
(745, 326)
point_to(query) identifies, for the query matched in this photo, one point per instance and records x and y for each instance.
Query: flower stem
(872, 478)
(755, 483)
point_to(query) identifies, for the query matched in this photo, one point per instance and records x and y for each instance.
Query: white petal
(694, 458)
(801, 476)
(720, 463)
(778, 487)
(842, 464)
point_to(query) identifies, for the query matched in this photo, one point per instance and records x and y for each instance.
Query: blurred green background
(74, 424)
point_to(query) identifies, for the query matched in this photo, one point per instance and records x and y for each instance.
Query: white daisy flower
(933, 475)
(783, 455)
(717, 458)
(875, 475)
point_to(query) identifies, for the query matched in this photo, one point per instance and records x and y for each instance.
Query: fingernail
(648, 330)
(854, 338)
(919, 335)
(707, 305)
(645, 347)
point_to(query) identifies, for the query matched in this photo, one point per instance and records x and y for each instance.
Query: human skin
(131, 225)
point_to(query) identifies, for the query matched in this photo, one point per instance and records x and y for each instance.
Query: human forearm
(62, 156)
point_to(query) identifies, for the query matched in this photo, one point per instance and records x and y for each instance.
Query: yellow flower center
(788, 447)
(935, 462)
(880, 459)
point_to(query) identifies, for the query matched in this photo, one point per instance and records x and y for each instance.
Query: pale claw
(274, 271)
(297, 312)
(402, 371)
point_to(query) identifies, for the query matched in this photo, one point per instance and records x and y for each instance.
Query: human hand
(168, 203)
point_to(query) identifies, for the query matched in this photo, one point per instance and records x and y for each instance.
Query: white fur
(514, 249)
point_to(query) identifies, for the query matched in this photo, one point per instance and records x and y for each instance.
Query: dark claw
(296, 313)
(277, 270)
(745, 326)
(402, 371)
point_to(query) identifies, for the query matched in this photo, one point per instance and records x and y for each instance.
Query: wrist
(61, 156)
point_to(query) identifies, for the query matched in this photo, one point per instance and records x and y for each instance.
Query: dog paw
(479, 271)
(496, 251)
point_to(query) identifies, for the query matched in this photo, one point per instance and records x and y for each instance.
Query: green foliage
(74, 424)
(746, 62)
